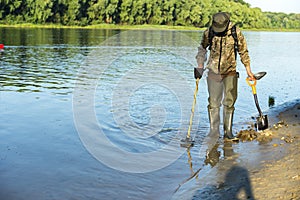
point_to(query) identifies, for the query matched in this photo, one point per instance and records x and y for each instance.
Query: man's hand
(198, 72)
(250, 74)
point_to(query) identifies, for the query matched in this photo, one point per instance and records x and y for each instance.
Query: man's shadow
(236, 181)
(236, 185)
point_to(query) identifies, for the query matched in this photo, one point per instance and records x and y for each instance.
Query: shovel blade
(259, 75)
(262, 123)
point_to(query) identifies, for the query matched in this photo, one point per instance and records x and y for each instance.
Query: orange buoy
(1, 46)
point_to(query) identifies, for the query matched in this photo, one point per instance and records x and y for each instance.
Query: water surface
(41, 154)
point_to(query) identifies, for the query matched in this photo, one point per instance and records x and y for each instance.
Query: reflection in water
(194, 174)
(31, 69)
(228, 150)
(213, 156)
(42, 60)
(233, 180)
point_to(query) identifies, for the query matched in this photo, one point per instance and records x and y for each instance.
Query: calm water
(60, 88)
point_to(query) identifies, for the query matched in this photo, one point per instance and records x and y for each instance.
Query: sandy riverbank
(266, 168)
(280, 179)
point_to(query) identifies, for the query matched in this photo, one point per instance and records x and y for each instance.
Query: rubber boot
(214, 121)
(227, 123)
(212, 155)
(214, 132)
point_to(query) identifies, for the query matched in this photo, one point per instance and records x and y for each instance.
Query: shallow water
(61, 90)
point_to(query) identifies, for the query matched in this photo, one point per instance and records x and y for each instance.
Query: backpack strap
(236, 41)
(211, 34)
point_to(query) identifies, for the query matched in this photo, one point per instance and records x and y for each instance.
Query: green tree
(13, 11)
(72, 13)
(168, 12)
(38, 11)
(125, 11)
(106, 11)
(112, 11)
(195, 14)
(156, 17)
(138, 12)
(59, 8)
(181, 12)
(171, 12)
(205, 15)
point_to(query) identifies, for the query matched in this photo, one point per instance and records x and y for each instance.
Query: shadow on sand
(236, 185)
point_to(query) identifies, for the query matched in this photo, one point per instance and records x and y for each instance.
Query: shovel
(261, 120)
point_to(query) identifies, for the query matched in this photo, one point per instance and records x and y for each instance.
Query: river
(99, 114)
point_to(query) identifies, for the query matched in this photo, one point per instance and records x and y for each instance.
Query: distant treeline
(135, 12)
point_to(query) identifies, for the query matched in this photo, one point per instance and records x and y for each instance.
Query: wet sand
(267, 166)
(280, 179)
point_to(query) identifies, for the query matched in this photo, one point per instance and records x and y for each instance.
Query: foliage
(195, 13)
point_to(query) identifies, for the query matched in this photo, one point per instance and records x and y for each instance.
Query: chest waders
(225, 88)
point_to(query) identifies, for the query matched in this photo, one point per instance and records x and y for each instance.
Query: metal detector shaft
(193, 109)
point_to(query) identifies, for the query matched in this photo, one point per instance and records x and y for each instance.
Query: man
(222, 76)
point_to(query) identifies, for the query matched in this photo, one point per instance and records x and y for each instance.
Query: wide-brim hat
(220, 21)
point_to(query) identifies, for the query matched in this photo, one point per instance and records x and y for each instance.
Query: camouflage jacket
(222, 57)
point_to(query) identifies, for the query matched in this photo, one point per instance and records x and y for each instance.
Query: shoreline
(132, 27)
(280, 179)
(260, 170)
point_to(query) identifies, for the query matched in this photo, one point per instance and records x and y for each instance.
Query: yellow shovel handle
(252, 84)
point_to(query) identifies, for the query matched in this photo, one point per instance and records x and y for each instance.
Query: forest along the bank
(195, 13)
